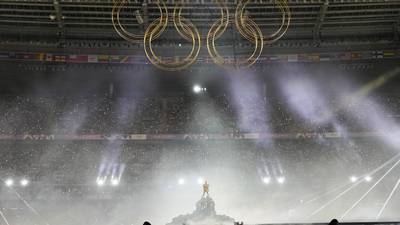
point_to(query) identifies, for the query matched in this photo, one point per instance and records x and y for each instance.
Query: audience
(169, 115)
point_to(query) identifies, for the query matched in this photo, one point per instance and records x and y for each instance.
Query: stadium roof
(91, 19)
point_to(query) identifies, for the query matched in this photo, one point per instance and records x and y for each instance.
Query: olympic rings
(222, 24)
(187, 30)
(269, 39)
(136, 38)
(173, 66)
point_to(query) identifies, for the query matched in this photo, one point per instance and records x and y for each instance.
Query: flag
(293, 58)
(115, 59)
(40, 56)
(314, 57)
(272, 58)
(366, 55)
(355, 55)
(302, 57)
(344, 56)
(389, 54)
(126, 59)
(103, 58)
(283, 58)
(377, 54)
(78, 58)
(26, 56)
(92, 58)
(324, 57)
(60, 58)
(49, 57)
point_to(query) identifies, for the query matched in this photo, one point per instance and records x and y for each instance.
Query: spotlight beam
(315, 197)
(388, 199)
(26, 203)
(372, 85)
(311, 197)
(326, 193)
(335, 198)
(9, 182)
(24, 182)
(29, 206)
(4, 217)
(362, 92)
(354, 185)
(369, 190)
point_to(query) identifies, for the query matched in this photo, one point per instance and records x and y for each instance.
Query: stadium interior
(116, 112)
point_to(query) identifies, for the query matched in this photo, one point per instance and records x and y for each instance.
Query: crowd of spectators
(300, 161)
(164, 115)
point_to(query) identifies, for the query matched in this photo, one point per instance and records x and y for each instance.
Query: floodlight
(9, 182)
(100, 182)
(266, 180)
(181, 181)
(114, 182)
(368, 178)
(197, 89)
(353, 179)
(24, 182)
(281, 180)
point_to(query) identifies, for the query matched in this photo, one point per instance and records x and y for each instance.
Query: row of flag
(212, 136)
(127, 59)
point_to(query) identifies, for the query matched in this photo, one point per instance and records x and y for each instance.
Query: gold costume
(206, 189)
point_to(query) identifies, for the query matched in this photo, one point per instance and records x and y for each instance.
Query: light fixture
(181, 181)
(266, 180)
(9, 182)
(197, 88)
(353, 179)
(281, 180)
(368, 178)
(114, 182)
(100, 181)
(24, 182)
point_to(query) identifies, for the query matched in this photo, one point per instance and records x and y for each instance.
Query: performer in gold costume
(206, 187)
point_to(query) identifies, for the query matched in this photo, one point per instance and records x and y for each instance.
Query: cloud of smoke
(374, 117)
(306, 99)
(249, 101)
(67, 168)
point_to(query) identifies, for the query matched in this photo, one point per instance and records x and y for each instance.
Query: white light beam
(335, 198)
(388, 199)
(347, 183)
(4, 217)
(354, 185)
(369, 190)
(326, 193)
